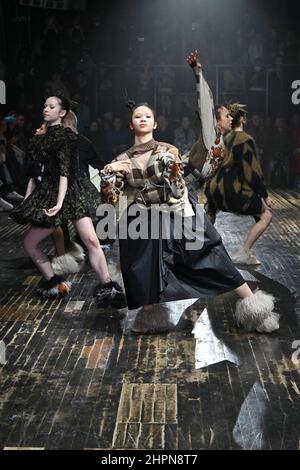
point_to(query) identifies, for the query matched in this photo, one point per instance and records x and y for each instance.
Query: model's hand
(193, 61)
(53, 211)
(269, 202)
(121, 166)
(41, 130)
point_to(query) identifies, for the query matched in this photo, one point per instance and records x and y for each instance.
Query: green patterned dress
(50, 156)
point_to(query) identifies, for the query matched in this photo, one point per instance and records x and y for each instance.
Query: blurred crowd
(99, 64)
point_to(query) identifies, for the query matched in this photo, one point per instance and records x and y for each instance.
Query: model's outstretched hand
(193, 61)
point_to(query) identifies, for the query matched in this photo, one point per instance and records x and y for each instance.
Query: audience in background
(147, 64)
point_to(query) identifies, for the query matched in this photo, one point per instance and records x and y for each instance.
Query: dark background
(106, 51)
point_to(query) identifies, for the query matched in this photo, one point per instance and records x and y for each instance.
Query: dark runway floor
(72, 378)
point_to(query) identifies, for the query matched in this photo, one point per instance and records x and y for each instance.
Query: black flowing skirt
(164, 270)
(81, 200)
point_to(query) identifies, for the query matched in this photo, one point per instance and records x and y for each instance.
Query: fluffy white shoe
(76, 251)
(244, 256)
(255, 313)
(65, 264)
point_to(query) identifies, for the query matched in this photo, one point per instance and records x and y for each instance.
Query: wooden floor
(75, 378)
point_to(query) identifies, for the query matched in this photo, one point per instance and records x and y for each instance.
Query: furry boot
(55, 288)
(244, 256)
(152, 321)
(255, 313)
(65, 264)
(110, 294)
(75, 250)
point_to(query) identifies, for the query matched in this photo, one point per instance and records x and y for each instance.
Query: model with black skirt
(163, 269)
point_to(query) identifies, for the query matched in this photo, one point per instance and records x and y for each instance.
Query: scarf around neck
(142, 148)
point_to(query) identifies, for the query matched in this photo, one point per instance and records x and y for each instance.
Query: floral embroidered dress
(162, 268)
(50, 156)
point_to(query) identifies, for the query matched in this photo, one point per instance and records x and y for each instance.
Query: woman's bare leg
(31, 241)
(243, 291)
(59, 241)
(67, 238)
(258, 229)
(97, 259)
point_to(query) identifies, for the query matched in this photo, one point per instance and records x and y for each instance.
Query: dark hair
(236, 116)
(64, 103)
(237, 111)
(132, 106)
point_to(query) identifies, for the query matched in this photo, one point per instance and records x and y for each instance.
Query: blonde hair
(70, 120)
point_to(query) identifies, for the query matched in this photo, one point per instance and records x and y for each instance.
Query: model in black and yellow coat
(238, 186)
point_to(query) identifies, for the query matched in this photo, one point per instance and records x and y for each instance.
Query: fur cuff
(255, 313)
(152, 321)
(55, 288)
(65, 264)
(76, 251)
